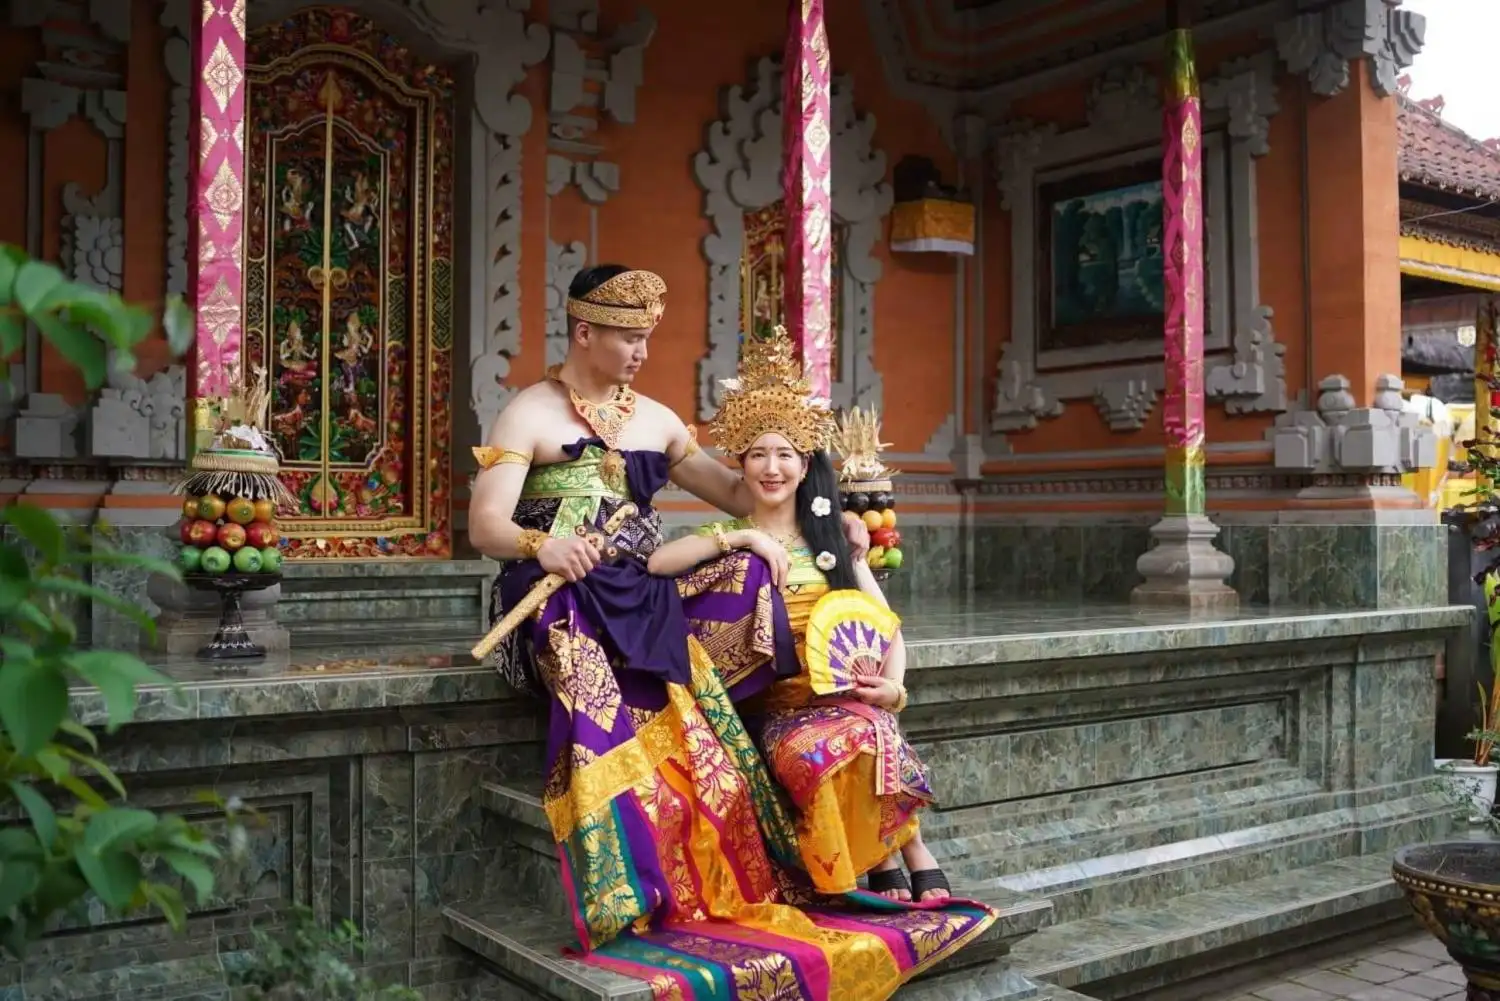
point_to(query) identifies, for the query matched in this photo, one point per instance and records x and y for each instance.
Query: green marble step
(1129, 941)
(1079, 811)
(416, 592)
(526, 944)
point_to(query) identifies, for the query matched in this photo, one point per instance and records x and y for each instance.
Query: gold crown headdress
(632, 300)
(858, 443)
(770, 395)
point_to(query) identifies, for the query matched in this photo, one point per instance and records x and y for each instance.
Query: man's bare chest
(558, 428)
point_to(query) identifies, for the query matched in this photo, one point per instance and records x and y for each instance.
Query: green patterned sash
(580, 484)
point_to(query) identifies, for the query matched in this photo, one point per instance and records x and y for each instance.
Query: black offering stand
(231, 641)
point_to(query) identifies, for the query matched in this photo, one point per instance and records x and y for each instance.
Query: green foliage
(79, 839)
(308, 962)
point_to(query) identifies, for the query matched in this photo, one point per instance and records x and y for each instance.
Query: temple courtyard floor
(1411, 966)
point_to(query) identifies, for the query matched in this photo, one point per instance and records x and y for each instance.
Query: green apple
(190, 558)
(893, 558)
(214, 560)
(270, 559)
(247, 560)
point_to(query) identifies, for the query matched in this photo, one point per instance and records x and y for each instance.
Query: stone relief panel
(563, 262)
(740, 172)
(1123, 377)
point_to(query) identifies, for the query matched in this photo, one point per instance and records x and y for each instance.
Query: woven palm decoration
(241, 461)
(849, 635)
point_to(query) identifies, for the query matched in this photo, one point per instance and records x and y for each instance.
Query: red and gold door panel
(348, 282)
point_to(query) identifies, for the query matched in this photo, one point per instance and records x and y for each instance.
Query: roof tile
(1437, 155)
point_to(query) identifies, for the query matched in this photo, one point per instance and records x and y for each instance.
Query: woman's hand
(768, 549)
(857, 533)
(874, 690)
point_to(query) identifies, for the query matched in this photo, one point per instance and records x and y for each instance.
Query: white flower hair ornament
(826, 561)
(822, 507)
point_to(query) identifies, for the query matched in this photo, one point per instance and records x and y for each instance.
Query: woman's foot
(888, 880)
(927, 879)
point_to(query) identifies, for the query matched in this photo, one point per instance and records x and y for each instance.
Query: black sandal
(927, 880)
(885, 881)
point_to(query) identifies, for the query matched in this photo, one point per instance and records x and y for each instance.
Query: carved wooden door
(349, 294)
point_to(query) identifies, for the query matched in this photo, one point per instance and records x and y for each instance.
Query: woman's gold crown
(770, 396)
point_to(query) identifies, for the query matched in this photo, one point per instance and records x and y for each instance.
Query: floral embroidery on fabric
(584, 681)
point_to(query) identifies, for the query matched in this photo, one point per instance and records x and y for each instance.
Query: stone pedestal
(1183, 569)
(189, 618)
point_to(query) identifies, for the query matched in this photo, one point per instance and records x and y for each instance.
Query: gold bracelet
(722, 540)
(530, 543)
(901, 699)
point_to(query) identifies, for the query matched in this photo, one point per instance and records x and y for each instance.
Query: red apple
(265, 510)
(881, 537)
(260, 534)
(210, 507)
(200, 533)
(231, 536)
(240, 511)
(184, 530)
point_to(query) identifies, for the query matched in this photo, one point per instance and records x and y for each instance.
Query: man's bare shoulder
(655, 410)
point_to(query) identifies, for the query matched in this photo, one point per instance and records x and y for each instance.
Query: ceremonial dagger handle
(549, 585)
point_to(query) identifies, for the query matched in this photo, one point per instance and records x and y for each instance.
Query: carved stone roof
(1437, 155)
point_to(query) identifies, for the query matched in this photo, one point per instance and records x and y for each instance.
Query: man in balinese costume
(656, 796)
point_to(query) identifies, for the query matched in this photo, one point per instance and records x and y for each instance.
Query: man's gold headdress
(632, 300)
(770, 395)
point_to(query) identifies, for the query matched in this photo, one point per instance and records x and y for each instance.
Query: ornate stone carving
(1244, 366)
(563, 261)
(740, 171)
(1019, 401)
(46, 428)
(1341, 438)
(141, 418)
(1125, 403)
(1321, 44)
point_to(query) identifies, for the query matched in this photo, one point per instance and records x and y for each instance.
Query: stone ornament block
(1339, 437)
(46, 428)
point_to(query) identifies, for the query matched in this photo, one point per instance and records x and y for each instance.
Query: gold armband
(530, 543)
(722, 540)
(489, 456)
(690, 449)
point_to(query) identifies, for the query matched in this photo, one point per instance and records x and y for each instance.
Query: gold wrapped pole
(550, 584)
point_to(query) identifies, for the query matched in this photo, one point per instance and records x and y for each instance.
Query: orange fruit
(873, 520)
(888, 518)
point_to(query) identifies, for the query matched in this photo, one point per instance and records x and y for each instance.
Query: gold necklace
(606, 419)
(793, 541)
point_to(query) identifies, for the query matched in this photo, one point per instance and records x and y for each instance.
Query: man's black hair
(589, 279)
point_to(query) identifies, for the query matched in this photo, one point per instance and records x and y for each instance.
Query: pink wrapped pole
(216, 233)
(807, 136)
(1182, 231)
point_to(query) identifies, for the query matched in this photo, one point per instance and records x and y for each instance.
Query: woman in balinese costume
(856, 783)
(675, 850)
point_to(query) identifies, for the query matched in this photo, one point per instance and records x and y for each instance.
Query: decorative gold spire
(770, 395)
(858, 443)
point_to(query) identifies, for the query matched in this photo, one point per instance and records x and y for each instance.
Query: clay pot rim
(1412, 878)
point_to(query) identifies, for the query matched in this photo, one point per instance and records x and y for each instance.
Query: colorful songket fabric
(678, 854)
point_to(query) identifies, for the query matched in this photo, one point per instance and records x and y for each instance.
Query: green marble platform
(1109, 771)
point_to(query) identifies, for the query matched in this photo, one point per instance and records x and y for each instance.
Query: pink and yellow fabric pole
(1182, 229)
(217, 251)
(807, 137)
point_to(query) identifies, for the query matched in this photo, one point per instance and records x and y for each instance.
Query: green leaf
(80, 732)
(113, 875)
(37, 527)
(33, 701)
(12, 333)
(118, 827)
(192, 868)
(168, 900)
(98, 767)
(10, 263)
(74, 586)
(132, 561)
(52, 762)
(18, 879)
(86, 793)
(78, 345)
(180, 324)
(59, 887)
(33, 283)
(15, 578)
(116, 675)
(43, 817)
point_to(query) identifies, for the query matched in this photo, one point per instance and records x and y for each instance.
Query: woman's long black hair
(825, 534)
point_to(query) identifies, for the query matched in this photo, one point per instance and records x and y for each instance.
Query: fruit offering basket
(865, 488)
(228, 529)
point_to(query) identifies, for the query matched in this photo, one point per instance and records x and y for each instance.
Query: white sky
(1457, 59)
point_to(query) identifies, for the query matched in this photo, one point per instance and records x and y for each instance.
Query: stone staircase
(334, 601)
